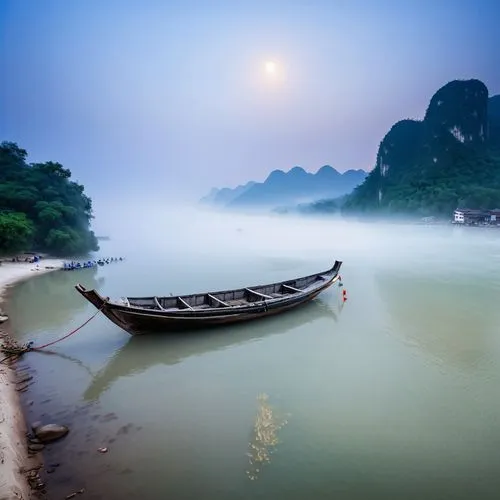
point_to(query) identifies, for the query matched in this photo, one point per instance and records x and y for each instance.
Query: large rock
(50, 432)
(494, 120)
(460, 108)
(430, 167)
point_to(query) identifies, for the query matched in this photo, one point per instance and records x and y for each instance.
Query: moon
(270, 67)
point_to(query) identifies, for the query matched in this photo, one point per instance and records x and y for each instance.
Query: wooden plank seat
(263, 295)
(219, 302)
(184, 303)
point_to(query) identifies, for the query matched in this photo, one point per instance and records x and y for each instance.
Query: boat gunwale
(212, 313)
(215, 312)
(332, 271)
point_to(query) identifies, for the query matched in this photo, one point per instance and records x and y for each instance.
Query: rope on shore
(69, 334)
(13, 348)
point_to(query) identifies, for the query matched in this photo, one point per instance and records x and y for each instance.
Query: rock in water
(36, 425)
(35, 447)
(50, 432)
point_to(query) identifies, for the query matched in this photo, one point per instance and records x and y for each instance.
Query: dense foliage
(16, 231)
(450, 159)
(41, 208)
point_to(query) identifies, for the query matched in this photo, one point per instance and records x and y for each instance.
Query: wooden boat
(139, 315)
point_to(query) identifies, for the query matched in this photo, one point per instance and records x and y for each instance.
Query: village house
(495, 217)
(469, 216)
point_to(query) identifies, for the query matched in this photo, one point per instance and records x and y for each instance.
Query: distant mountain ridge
(224, 196)
(283, 188)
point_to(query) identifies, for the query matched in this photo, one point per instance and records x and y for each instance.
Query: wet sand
(14, 458)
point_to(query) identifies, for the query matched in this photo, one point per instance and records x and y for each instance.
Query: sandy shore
(13, 445)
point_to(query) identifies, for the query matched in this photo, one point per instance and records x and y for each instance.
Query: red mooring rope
(69, 334)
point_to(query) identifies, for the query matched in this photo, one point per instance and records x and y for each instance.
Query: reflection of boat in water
(139, 354)
(138, 315)
(49, 292)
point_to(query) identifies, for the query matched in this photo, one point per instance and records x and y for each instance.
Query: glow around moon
(271, 74)
(270, 67)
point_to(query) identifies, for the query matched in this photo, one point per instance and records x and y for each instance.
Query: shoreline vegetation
(41, 208)
(18, 467)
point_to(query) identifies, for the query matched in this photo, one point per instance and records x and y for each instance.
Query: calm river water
(392, 395)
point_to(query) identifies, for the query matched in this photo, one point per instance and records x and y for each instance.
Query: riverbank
(14, 458)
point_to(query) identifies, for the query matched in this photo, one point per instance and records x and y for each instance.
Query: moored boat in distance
(140, 315)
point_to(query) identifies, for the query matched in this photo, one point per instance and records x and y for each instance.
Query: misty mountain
(328, 206)
(223, 196)
(287, 188)
(451, 158)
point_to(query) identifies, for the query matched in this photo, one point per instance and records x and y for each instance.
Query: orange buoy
(344, 295)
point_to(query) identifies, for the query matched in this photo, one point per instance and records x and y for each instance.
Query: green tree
(56, 207)
(16, 231)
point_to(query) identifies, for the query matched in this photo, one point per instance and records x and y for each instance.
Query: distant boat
(140, 315)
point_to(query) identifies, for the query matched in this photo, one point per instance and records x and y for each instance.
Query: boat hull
(139, 321)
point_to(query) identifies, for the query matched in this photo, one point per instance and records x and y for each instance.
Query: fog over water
(390, 395)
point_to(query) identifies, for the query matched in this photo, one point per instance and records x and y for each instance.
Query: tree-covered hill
(429, 167)
(41, 208)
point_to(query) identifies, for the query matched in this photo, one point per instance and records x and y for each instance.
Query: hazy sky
(160, 98)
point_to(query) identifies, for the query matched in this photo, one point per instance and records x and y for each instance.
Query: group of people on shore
(72, 265)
